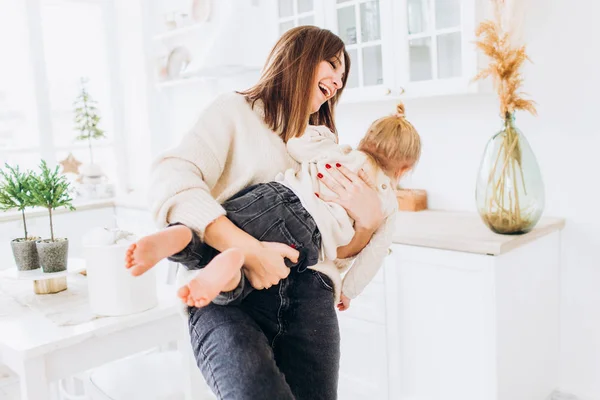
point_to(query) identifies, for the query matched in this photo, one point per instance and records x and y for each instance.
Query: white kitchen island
(457, 313)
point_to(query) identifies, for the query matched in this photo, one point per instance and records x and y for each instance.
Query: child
(290, 210)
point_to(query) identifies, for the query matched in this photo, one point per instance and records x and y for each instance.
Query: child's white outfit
(314, 150)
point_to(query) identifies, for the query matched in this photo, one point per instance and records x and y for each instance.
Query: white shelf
(181, 31)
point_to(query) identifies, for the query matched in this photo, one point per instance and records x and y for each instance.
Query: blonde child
(295, 209)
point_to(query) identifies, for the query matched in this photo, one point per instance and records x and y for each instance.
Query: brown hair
(392, 142)
(285, 85)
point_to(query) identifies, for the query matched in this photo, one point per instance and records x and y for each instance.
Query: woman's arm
(264, 261)
(181, 182)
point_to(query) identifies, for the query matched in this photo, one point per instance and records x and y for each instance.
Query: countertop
(463, 231)
(448, 230)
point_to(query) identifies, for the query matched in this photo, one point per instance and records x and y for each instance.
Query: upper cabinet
(366, 33)
(292, 13)
(435, 53)
(413, 48)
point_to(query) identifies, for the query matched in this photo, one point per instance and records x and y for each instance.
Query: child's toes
(199, 303)
(130, 250)
(183, 292)
(191, 302)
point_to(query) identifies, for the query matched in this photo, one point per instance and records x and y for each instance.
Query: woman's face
(328, 80)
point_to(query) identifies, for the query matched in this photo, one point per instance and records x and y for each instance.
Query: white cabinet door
(292, 13)
(435, 54)
(443, 342)
(365, 28)
(363, 364)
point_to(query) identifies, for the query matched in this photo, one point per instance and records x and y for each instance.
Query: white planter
(112, 289)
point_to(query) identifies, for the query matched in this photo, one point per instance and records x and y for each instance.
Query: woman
(283, 341)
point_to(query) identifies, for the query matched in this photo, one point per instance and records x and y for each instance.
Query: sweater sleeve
(370, 259)
(182, 178)
(317, 142)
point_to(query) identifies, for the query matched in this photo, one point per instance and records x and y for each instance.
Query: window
(36, 99)
(19, 132)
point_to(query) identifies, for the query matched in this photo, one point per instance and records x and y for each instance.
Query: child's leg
(222, 274)
(270, 213)
(149, 250)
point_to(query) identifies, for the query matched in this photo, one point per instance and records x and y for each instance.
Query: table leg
(34, 383)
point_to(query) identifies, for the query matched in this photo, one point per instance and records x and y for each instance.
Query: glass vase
(510, 190)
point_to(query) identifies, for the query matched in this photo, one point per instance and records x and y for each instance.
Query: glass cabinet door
(292, 13)
(359, 26)
(434, 39)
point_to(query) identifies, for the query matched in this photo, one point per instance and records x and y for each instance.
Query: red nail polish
(317, 194)
(338, 165)
(320, 175)
(327, 166)
(293, 246)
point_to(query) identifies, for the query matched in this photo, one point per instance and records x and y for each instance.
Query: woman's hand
(356, 194)
(265, 265)
(264, 261)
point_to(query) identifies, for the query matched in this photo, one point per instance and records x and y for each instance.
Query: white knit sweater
(314, 150)
(228, 149)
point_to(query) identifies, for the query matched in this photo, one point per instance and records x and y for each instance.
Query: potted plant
(15, 193)
(87, 120)
(50, 190)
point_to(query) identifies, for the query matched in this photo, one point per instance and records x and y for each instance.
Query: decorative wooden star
(70, 164)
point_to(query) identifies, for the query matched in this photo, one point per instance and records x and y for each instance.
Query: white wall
(563, 41)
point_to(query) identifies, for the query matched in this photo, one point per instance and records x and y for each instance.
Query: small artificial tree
(15, 192)
(51, 191)
(87, 118)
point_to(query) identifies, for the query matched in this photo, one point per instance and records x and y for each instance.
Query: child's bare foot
(222, 274)
(149, 250)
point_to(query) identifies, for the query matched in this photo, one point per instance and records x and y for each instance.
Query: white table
(41, 352)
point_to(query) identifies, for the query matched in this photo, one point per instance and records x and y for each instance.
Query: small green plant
(87, 118)
(50, 190)
(15, 192)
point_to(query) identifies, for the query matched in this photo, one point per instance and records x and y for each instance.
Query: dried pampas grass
(506, 58)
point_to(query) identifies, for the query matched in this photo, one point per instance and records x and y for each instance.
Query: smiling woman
(283, 341)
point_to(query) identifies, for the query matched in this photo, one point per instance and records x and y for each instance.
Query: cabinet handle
(402, 90)
(389, 251)
(388, 91)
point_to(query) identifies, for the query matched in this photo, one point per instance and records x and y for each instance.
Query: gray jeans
(280, 343)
